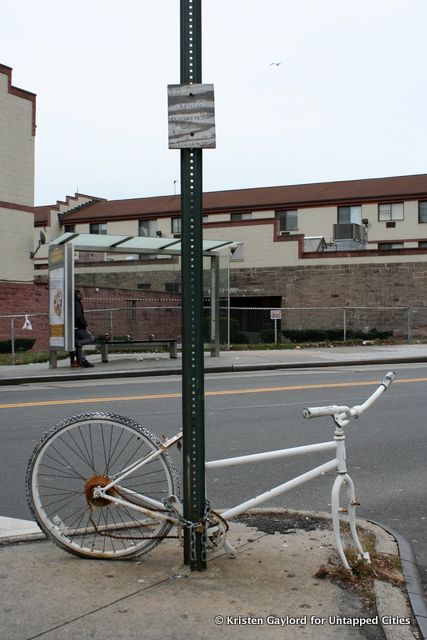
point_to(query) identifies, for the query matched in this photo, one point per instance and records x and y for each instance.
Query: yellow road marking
(224, 392)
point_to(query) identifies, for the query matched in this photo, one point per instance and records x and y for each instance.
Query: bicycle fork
(344, 479)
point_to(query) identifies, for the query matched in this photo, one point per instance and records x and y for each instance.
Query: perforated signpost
(275, 314)
(191, 129)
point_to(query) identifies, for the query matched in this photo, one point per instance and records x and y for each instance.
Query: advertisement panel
(61, 298)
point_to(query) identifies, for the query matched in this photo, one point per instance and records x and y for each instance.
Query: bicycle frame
(341, 416)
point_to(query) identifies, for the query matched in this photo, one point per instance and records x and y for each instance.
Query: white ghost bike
(103, 486)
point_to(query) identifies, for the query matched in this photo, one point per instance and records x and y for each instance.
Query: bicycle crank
(216, 531)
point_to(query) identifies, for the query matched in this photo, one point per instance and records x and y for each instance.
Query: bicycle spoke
(89, 452)
(82, 453)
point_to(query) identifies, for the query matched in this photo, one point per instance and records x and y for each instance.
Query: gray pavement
(270, 590)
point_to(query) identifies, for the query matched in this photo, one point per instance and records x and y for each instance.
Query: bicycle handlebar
(342, 414)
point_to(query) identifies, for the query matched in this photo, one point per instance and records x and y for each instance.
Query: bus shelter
(61, 278)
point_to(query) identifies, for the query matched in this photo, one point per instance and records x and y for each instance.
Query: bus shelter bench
(131, 345)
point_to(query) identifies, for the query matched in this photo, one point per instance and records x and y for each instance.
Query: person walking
(81, 334)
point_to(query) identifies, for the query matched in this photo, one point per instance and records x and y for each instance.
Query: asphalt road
(251, 412)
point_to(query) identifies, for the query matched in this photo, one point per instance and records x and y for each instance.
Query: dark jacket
(79, 316)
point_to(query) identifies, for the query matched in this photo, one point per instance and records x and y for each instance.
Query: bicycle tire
(67, 464)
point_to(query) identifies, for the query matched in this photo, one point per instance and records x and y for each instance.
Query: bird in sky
(275, 64)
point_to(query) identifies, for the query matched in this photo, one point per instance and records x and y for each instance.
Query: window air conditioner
(348, 231)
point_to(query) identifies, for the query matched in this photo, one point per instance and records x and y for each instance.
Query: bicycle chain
(194, 527)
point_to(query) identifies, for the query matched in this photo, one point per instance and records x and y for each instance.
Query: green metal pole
(192, 305)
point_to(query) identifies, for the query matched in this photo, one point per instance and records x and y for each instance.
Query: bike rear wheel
(87, 451)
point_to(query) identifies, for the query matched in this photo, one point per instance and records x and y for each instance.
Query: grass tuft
(382, 567)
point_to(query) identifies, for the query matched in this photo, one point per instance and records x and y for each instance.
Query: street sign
(275, 314)
(191, 116)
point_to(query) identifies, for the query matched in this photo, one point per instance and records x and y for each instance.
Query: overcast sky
(347, 101)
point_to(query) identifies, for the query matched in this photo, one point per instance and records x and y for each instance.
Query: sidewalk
(270, 590)
(154, 364)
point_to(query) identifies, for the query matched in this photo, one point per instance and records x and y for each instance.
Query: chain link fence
(20, 334)
(131, 319)
(254, 325)
(313, 324)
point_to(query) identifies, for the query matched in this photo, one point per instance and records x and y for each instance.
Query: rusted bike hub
(90, 486)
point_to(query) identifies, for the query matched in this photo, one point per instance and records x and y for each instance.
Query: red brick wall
(19, 299)
(116, 311)
(397, 285)
(141, 314)
(135, 314)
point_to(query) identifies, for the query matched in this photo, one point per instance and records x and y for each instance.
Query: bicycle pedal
(176, 504)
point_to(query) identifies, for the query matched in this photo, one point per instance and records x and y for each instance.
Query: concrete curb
(18, 530)
(412, 578)
(334, 363)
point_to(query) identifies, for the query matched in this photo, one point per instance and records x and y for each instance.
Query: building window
(172, 287)
(350, 215)
(422, 211)
(422, 244)
(147, 228)
(70, 228)
(288, 220)
(144, 286)
(389, 246)
(98, 228)
(176, 225)
(205, 218)
(235, 217)
(390, 211)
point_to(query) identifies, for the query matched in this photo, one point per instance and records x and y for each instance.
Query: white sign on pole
(191, 116)
(275, 314)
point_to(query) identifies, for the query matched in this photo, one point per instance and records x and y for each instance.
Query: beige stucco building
(17, 145)
(370, 221)
(355, 243)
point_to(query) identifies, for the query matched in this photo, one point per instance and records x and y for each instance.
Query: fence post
(409, 323)
(111, 325)
(228, 306)
(214, 260)
(12, 329)
(344, 321)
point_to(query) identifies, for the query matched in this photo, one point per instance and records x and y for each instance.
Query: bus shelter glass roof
(133, 244)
